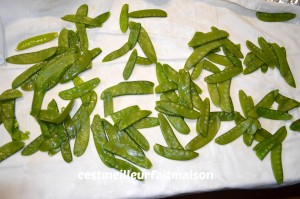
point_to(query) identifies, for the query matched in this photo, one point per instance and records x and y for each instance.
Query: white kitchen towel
(1, 43)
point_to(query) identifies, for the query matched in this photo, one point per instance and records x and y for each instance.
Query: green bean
(184, 88)
(222, 76)
(138, 137)
(128, 153)
(32, 57)
(202, 121)
(147, 122)
(219, 59)
(117, 53)
(197, 70)
(277, 163)
(83, 134)
(33, 146)
(234, 133)
(208, 37)
(200, 53)
(36, 40)
(178, 109)
(123, 20)
(275, 17)
(223, 116)
(79, 90)
(148, 13)
(129, 88)
(252, 63)
(131, 119)
(168, 133)
(143, 61)
(81, 29)
(268, 49)
(10, 148)
(200, 141)
(225, 99)
(146, 44)
(135, 29)
(273, 114)
(295, 126)
(259, 53)
(10, 94)
(174, 154)
(130, 65)
(230, 46)
(117, 116)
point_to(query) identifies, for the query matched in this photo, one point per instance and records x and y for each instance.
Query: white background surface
(233, 165)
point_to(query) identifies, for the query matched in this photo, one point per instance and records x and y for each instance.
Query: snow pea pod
(117, 53)
(179, 124)
(83, 134)
(118, 116)
(200, 53)
(259, 53)
(276, 163)
(146, 44)
(252, 63)
(202, 121)
(56, 118)
(81, 29)
(63, 38)
(32, 57)
(197, 70)
(200, 141)
(171, 73)
(129, 88)
(225, 99)
(83, 20)
(131, 119)
(99, 20)
(236, 62)
(147, 122)
(108, 105)
(36, 40)
(138, 137)
(20, 79)
(230, 46)
(130, 65)
(184, 88)
(143, 61)
(66, 152)
(295, 126)
(33, 146)
(79, 90)
(123, 20)
(10, 94)
(199, 40)
(196, 99)
(219, 59)
(210, 67)
(160, 75)
(148, 13)
(178, 110)
(222, 76)
(100, 139)
(275, 17)
(223, 116)
(128, 153)
(268, 49)
(273, 114)
(10, 148)
(135, 29)
(286, 103)
(234, 133)
(80, 65)
(174, 154)
(168, 133)
(214, 94)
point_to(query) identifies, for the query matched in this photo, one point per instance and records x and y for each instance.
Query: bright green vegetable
(131, 119)
(202, 121)
(123, 20)
(10, 148)
(117, 53)
(275, 17)
(277, 163)
(130, 65)
(174, 154)
(199, 40)
(177, 109)
(223, 75)
(36, 40)
(148, 13)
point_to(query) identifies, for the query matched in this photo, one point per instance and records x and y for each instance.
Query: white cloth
(1, 43)
(232, 166)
